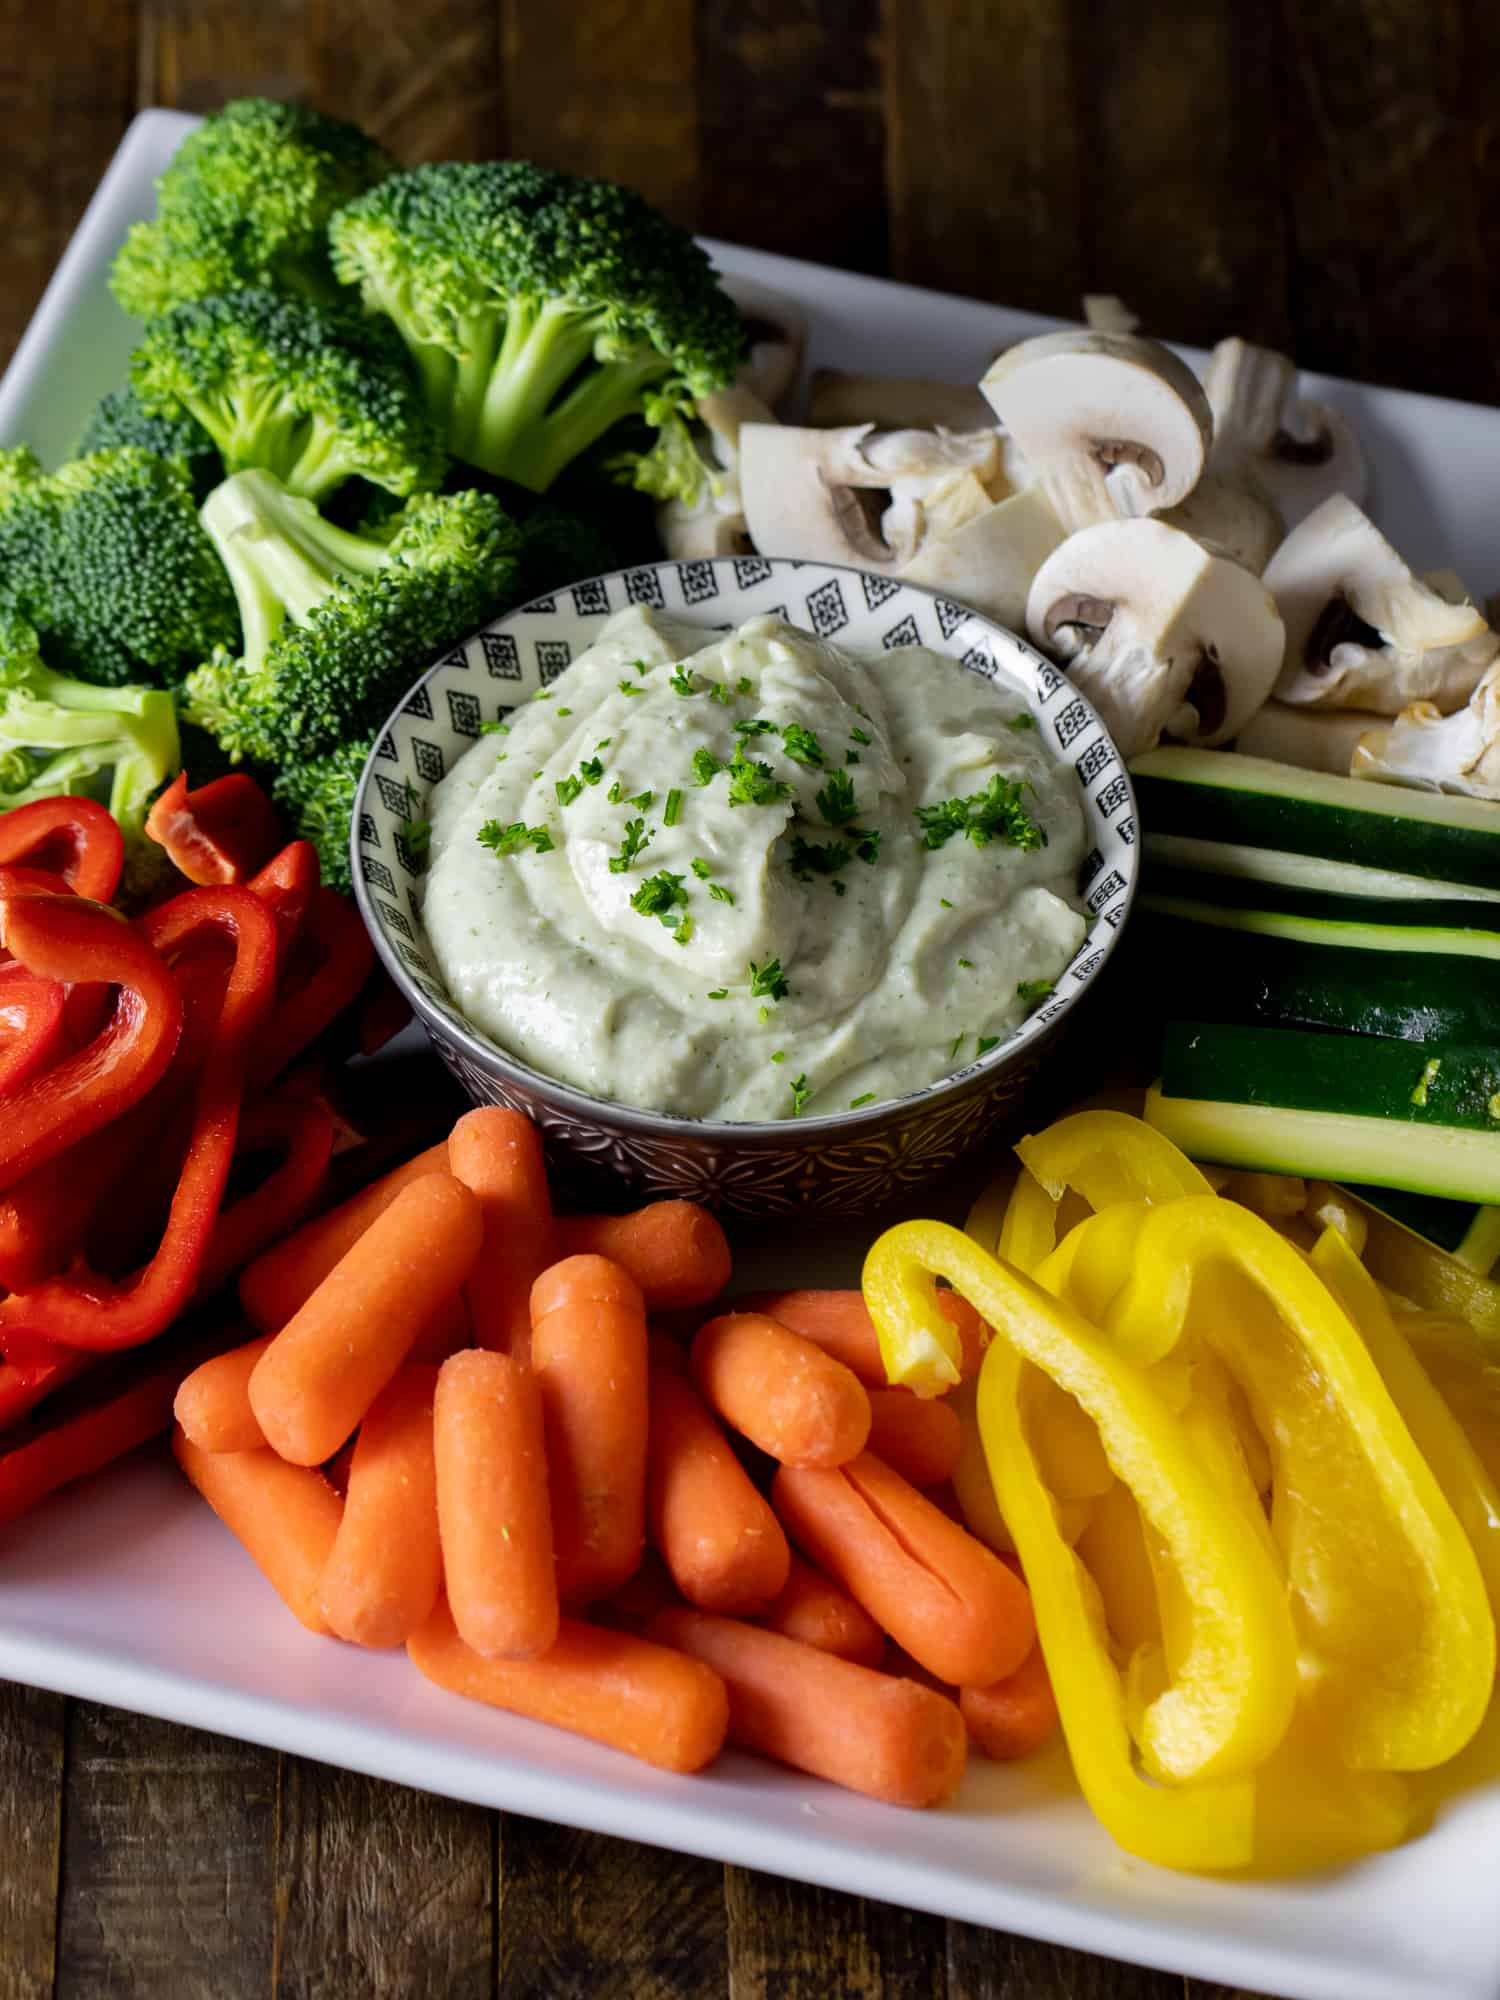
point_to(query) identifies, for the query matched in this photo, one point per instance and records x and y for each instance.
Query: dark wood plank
(166, 1876)
(32, 1736)
(788, 1941)
(582, 1915)
(984, 154)
(791, 122)
(195, 57)
(379, 1891)
(426, 79)
(606, 87)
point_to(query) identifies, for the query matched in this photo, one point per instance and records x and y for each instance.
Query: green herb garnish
(762, 725)
(743, 685)
(836, 800)
(494, 729)
(718, 692)
(996, 813)
(861, 736)
(801, 1091)
(683, 680)
(768, 981)
(419, 835)
(856, 1102)
(565, 711)
(802, 746)
(808, 859)
(642, 801)
(779, 1056)
(754, 784)
(706, 767)
(719, 993)
(1032, 990)
(967, 964)
(662, 896)
(719, 893)
(636, 838)
(567, 790)
(672, 810)
(986, 1043)
(700, 868)
(511, 839)
(591, 770)
(615, 793)
(629, 687)
(1022, 721)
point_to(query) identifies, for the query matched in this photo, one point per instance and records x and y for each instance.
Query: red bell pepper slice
(303, 1131)
(288, 883)
(33, 1025)
(330, 964)
(74, 838)
(44, 1217)
(89, 1310)
(24, 1385)
(68, 938)
(222, 833)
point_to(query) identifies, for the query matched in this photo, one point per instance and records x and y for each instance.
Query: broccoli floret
(337, 624)
(317, 796)
(542, 311)
(315, 394)
(121, 418)
(558, 548)
(246, 201)
(106, 558)
(61, 735)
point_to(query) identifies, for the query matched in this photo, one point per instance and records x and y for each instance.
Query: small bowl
(844, 1161)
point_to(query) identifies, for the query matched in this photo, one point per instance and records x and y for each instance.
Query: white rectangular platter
(126, 1590)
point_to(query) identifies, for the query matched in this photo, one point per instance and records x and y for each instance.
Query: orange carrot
(386, 1568)
(938, 1591)
(675, 1250)
(498, 1153)
(446, 1331)
(279, 1283)
(213, 1403)
(493, 1506)
(720, 1540)
(332, 1359)
(918, 1436)
(619, 1690)
(336, 1469)
(1013, 1717)
(641, 1596)
(817, 1612)
(889, 1739)
(780, 1391)
(285, 1516)
(840, 1322)
(588, 1347)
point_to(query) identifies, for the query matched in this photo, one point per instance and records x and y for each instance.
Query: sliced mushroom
(1361, 630)
(1300, 452)
(1234, 514)
(1317, 739)
(1162, 635)
(1111, 424)
(988, 561)
(1437, 752)
(894, 402)
(776, 328)
(714, 525)
(1107, 312)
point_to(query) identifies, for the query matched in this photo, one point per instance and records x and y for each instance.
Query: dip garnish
(996, 813)
(754, 784)
(511, 839)
(768, 981)
(802, 746)
(672, 811)
(1034, 989)
(706, 767)
(636, 837)
(801, 1091)
(856, 1102)
(683, 680)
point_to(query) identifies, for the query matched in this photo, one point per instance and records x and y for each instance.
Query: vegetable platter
(130, 1593)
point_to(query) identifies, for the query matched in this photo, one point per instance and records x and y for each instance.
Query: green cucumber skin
(1240, 893)
(1444, 1224)
(1361, 1075)
(1305, 826)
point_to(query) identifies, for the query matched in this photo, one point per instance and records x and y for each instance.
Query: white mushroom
(988, 561)
(895, 402)
(1299, 452)
(1163, 636)
(776, 328)
(1107, 312)
(1234, 513)
(1317, 739)
(1111, 424)
(1361, 630)
(714, 525)
(1440, 753)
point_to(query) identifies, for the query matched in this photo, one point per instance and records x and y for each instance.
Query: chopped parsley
(494, 729)
(701, 868)
(672, 811)
(567, 790)
(511, 839)
(1032, 990)
(542, 694)
(861, 736)
(604, 742)
(809, 859)
(836, 800)
(779, 1055)
(719, 993)
(967, 964)
(719, 893)
(629, 687)
(866, 843)
(718, 692)
(615, 793)
(591, 770)
(768, 981)
(639, 667)
(642, 801)
(851, 756)
(958, 1042)
(706, 767)
(986, 1043)
(801, 1091)
(762, 725)
(419, 835)
(754, 784)
(636, 838)
(856, 1102)
(565, 711)
(996, 813)
(681, 928)
(945, 903)
(802, 746)
(744, 685)
(1022, 721)
(663, 897)
(683, 680)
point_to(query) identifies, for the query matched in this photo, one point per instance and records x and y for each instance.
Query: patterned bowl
(841, 1162)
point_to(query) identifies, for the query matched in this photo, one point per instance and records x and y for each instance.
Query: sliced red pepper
(89, 1310)
(288, 882)
(74, 838)
(68, 938)
(44, 1217)
(221, 833)
(33, 1025)
(23, 1386)
(329, 965)
(302, 1129)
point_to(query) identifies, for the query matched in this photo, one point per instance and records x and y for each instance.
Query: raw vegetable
(816, 1612)
(385, 1569)
(780, 1390)
(919, 1437)
(122, 419)
(225, 831)
(286, 1516)
(676, 1252)
(75, 839)
(212, 1405)
(497, 1154)
(1012, 1717)
(1471, 1236)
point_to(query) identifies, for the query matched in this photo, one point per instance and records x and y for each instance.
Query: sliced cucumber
(1413, 1268)
(1469, 1235)
(1224, 858)
(1429, 911)
(1249, 801)
(1339, 1107)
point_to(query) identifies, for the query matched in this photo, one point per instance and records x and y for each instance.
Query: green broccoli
(542, 311)
(337, 624)
(558, 548)
(246, 201)
(317, 796)
(106, 558)
(121, 418)
(315, 394)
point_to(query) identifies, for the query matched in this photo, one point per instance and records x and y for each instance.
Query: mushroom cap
(1112, 424)
(714, 525)
(1161, 634)
(776, 329)
(1302, 452)
(1361, 630)
(894, 402)
(1442, 753)
(1235, 514)
(987, 563)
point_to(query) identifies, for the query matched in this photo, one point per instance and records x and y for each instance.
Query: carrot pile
(459, 1430)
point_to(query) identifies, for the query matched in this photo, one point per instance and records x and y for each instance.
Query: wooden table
(1323, 177)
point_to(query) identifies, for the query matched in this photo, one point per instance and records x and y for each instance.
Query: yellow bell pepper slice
(1029, 1228)
(1396, 1636)
(1232, 1700)
(987, 1216)
(1108, 1157)
(1419, 1271)
(1113, 1546)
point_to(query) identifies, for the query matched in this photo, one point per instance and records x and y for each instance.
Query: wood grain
(380, 1893)
(196, 57)
(166, 1875)
(31, 1788)
(582, 1915)
(785, 1937)
(425, 79)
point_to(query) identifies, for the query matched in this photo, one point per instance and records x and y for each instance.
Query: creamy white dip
(804, 950)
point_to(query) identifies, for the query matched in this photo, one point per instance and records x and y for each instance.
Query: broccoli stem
(282, 557)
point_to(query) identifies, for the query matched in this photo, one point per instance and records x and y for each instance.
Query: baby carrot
(890, 1739)
(498, 1154)
(780, 1391)
(282, 1280)
(386, 1568)
(588, 1347)
(718, 1537)
(918, 1436)
(329, 1363)
(619, 1690)
(446, 1331)
(817, 1612)
(941, 1594)
(1013, 1717)
(840, 1322)
(675, 1250)
(641, 1596)
(493, 1507)
(213, 1403)
(285, 1516)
